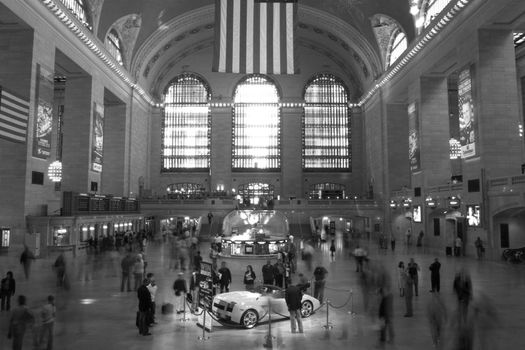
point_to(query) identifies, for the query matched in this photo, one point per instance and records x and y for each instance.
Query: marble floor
(94, 314)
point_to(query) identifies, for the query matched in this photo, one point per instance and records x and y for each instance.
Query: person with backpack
(7, 290)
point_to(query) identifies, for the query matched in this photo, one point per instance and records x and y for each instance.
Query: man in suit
(145, 304)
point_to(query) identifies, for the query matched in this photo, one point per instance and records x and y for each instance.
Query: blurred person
(461, 333)
(197, 259)
(152, 287)
(138, 271)
(304, 283)
(7, 290)
(249, 278)
(386, 315)
(293, 297)
(437, 318)
(26, 259)
(144, 297)
(268, 272)
(479, 247)
(463, 289)
(126, 266)
(319, 282)
(458, 244)
(179, 287)
(393, 242)
(48, 315)
(413, 271)
(291, 250)
(21, 317)
(214, 253)
(332, 250)
(279, 273)
(225, 278)
(420, 239)
(194, 290)
(409, 293)
(360, 255)
(401, 274)
(60, 269)
(308, 254)
(434, 276)
(487, 319)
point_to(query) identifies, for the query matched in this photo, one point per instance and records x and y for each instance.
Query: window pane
(326, 125)
(186, 128)
(399, 46)
(114, 46)
(433, 9)
(78, 8)
(256, 125)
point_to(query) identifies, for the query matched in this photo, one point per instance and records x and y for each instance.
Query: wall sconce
(454, 202)
(430, 202)
(393, 204)
(407, 203)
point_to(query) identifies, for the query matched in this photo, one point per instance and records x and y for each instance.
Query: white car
(248, 308)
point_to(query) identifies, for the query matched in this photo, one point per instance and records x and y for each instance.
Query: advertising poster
(205, 280)
(97, 154)
(413, 138)
(467, 119)
(43, 125)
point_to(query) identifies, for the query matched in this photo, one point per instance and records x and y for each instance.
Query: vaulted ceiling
(159, 33)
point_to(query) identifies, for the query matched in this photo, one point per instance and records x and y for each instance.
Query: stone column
(114, 167)
(221, 148)
(292, 182)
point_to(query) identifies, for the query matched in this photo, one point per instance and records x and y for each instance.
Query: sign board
(205, 281)
(5, 237)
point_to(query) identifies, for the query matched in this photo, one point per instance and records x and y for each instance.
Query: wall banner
(467, 120)
(43, 124)
(97, 140)
(413, 138)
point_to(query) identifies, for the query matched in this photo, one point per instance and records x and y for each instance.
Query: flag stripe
(269, 38)
(243, 35)
(256, 39)
(263, 37)
(229, 35)
(290, 25)
(236, 35)
(219, 43)
(249, 36)
(14, 115)
(276, 42)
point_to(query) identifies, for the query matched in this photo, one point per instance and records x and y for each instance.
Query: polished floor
(94, 314)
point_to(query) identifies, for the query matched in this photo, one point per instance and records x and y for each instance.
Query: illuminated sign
(413, 138)
(416, 213)
(97, 138)
(467, 118)
(473, 215)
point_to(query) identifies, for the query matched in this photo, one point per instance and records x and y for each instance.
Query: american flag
(255, 36)
(14, 114)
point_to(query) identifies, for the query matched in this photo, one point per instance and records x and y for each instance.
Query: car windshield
(268, 290)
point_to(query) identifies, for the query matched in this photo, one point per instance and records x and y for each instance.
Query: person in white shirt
(48, 315)
(152, 287)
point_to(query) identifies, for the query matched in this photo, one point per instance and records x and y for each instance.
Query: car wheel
(307, 308)
(249, 319)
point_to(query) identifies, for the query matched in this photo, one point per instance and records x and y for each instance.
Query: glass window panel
(399, 45)
(186, 125)
(256, 125)
(78, 8)
(326, 125)
(114, 46)
(433, 9)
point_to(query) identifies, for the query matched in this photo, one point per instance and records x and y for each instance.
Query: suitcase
(167, 308)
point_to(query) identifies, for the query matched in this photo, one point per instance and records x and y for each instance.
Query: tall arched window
(186, 125)
(326, 125)
(432, 9)
(79, 9)
(398, 44)
(256, 136)
(114, 46)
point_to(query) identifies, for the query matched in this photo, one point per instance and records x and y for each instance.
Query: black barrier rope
(350, 296)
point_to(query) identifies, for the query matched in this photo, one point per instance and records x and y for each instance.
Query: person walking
(268, 272)
(7, 290)
(48, 315)
(463, 289)
(179, 286)
(152, 287)
(249, 278)
(60, 269)
(413, 271)
(434, 276)
(437, 318)
(26, 259)
(409, 293)
(144, 297)
(197, 259)
(319, 283)
(21, 317)
(279, 271)
(360, 255)
(386, 313)
(401, 275)
(479, 248)
(138, 271)
(126, 264)
(210, 217)
(332, 250)
(293, 297)
(393, 242)
(458, 244)
(225, 278)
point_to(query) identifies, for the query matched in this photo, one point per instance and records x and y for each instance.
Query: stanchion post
(184, 319)
(351, 312)
(328, 325)
(269, 343)
(204, 337)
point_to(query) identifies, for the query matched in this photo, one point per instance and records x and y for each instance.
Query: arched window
(326, 125)
(114, 46)
(398, 44)
(432, 9)
(327, 190)
(186, 125)
(79, 9)
(256, 136)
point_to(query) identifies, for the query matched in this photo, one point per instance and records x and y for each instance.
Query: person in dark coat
(268, 272)
(21, 317)
(434, 276)
(320, 280)
(126, 264)
(25, 260)
(249, 278)
(179, 287)
(225, 278)
(293, 297)
(7, 290)
(386, 313)
(145, 304)
(463, 290)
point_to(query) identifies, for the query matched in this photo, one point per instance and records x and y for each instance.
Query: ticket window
(61, 236)
(5, 238)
